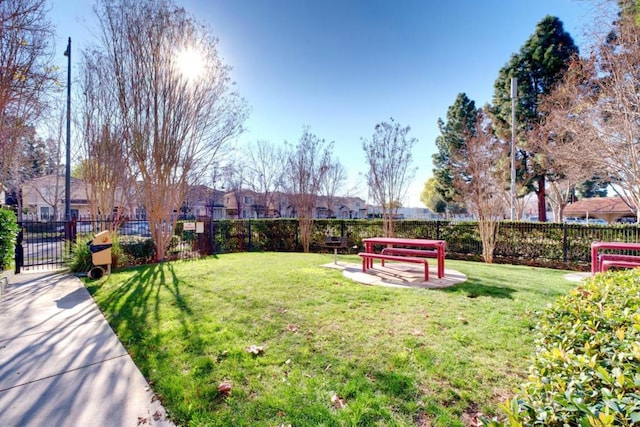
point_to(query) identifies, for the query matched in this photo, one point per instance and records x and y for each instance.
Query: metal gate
(43, 245)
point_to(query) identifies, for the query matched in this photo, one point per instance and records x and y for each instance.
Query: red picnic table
(399, 246)
(598, 261)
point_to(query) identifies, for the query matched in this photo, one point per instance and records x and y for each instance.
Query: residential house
(203, 201)
(610, 209)
(43, 198)
(243, 203)
(250, 204)
(341, 207)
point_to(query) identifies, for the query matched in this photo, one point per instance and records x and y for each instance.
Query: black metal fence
(532, 243)
(541, 244)
(42, 245)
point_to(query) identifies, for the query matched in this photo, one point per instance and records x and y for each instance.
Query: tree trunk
(542, 202)
(488, 234)
(306, 225)
(560, 216)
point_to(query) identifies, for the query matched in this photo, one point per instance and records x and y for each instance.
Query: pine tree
(538, 66)
(461, 118)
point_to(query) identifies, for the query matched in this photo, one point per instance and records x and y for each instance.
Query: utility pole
(514, 95)
(67, 175)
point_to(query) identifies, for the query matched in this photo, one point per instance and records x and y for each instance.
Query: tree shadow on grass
(133, 308)
(474, 289)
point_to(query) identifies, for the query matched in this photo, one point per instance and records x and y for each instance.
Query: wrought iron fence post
(19, 251)
(564, 242)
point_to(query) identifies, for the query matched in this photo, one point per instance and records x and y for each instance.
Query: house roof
(608, 208)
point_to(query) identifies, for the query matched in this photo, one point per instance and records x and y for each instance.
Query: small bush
(587, 363)
(79, 259)
(138, 250)
(174, 244)
(8, 232)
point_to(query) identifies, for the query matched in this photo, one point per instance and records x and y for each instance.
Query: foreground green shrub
(79, 259)
(8, 231)
(587, 363)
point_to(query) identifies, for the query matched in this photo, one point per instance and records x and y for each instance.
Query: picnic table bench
(399, 249)
(601, 262)
(411, 252)
(367, 257)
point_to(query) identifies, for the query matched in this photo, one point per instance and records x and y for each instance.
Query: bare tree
(177, 109)
(106, 167)
(334, 181)
(478, 173)
(595, 110)
(306, 167)
(265, 169)
(233, 177)
(564, 171)
(26, 72)
(390, 173)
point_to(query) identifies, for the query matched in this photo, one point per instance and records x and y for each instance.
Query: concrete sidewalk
(60, 362)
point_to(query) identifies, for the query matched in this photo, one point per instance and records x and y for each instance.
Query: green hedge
(586, 370)
(554, 245)
(8, 232)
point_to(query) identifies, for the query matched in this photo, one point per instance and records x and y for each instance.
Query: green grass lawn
(335, 352)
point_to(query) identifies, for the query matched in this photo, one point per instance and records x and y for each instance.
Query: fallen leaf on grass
(292, 328)
(337, 401)
(463, 319)
(224, 388)
(255, 349)
(417, 333)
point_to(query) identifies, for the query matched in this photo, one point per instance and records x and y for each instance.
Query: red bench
(411, 252)
(613, 259)
(607, 263)
(371, 256)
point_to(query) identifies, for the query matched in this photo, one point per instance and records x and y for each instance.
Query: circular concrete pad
(577, 277)
(399, 275)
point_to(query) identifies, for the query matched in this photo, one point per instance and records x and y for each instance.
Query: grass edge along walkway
(266, 339)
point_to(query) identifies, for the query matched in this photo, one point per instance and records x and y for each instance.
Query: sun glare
(190, 63)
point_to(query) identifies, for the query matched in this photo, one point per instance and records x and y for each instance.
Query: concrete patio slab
(61, 364)
(399, 275)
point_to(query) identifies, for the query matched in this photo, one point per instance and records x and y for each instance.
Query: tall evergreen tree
(538, 66)
(592, 188)
(461, 118)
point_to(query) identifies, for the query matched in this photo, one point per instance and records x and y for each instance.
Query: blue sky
(342, 66)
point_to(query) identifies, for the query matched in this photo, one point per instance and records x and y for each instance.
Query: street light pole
(514, 95)
(67, 175)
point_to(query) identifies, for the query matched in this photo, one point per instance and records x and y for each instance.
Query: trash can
(100, 248)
